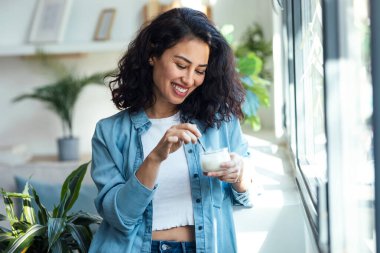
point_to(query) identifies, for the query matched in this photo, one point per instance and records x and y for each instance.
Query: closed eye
(200, 72)
(180, 66)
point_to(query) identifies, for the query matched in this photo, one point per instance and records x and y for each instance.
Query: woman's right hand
(173, 139)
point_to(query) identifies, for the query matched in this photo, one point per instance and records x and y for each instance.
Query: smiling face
(178, 72)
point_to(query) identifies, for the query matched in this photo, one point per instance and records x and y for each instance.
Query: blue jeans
(172, 247)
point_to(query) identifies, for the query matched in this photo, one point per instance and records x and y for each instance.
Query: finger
(230, 178)
(190, 127)
(222, 173)
(184, 135)
(183, 132)
(173, 143)
(173, 139)
(193, 138)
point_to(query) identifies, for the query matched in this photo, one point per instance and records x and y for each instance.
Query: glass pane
(312, 135)
(351, 169)
(358, 50)
(316, 153)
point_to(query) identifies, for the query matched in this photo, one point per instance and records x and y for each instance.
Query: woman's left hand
(230, 171)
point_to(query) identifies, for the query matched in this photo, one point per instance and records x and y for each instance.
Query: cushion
(50, 194)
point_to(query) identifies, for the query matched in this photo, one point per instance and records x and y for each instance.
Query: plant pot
(68, 149)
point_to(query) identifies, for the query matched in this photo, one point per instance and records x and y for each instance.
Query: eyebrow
(188, 61)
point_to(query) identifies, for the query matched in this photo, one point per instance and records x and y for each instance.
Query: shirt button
(200, 228)
(195, 175)
(190, 151)
(165, 247)
(198, 200)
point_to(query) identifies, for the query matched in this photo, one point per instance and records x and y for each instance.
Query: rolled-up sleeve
(241, 198)
(132, 199)
(239, 145)
(120, 201)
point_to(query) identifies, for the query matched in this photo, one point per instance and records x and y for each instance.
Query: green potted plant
(253, 41)
(60, 97)
(250, 66)
(37, 230)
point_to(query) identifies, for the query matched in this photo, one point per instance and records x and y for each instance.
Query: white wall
(242, 13)
(28, 122)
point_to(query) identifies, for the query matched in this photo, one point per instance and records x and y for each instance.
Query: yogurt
(211, 160)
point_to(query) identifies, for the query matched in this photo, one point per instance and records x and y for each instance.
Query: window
(305, 104)
(329, 120)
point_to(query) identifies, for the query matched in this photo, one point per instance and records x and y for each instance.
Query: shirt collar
(139, 119)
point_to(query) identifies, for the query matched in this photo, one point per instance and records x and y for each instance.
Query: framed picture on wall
(50, 19)
(104, 25)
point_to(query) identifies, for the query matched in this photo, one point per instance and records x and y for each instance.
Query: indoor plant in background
(37, 230)
(60, 97)
(250, 66)
(253, 41)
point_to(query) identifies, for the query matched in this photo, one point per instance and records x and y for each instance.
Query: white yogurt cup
(212, 159)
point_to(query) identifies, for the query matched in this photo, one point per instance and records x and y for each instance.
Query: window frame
(375, 64)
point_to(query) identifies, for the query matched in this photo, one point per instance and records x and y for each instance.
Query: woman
(176, 85)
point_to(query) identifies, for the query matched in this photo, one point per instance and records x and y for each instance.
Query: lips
(179, 90)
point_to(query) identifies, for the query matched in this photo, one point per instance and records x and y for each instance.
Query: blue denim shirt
(126, 205)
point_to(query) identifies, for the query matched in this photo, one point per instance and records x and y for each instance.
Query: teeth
(182, 90)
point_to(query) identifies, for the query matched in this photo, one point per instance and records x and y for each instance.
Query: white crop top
(172, 203)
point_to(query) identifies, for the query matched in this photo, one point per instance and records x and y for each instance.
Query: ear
(150, 61)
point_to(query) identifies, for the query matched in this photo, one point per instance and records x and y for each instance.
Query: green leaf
(9, 208)
(57, 247)
(262, 93)
(255, 123)
(247, 81)
(21, 226)
(81, 235)
(4, 230)
(27, 209)
(15, 195)
(249, 64)
(56, 226)
(3, 217)
(84, 218)
(60, 210)
(5, 240)
(71, 188)
(26, 240)
(6, 237)
(43, 214)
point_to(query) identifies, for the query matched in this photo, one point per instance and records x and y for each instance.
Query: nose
(188, 78)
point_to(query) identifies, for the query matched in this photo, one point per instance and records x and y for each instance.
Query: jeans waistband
(172, 246)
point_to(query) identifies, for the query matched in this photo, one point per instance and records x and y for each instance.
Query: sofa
(47, 178)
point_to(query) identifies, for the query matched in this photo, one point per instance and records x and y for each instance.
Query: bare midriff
(178, 234)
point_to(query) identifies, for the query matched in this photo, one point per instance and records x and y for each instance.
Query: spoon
(200, 143)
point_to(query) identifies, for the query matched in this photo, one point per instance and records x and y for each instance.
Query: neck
(157, 113)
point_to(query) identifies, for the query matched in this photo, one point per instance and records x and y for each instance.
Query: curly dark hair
(219, 97)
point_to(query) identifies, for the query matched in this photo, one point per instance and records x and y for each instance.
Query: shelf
(63, 48)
